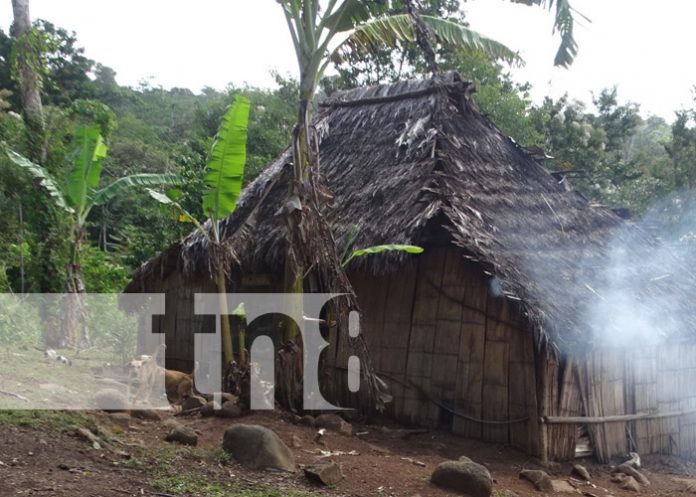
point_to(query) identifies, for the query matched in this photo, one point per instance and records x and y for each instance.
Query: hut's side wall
(656, 381)
(447, 346)
(179, 323)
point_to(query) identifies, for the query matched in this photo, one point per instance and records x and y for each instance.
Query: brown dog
(179, 385)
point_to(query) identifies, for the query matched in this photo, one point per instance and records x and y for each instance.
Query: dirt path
(46, 459)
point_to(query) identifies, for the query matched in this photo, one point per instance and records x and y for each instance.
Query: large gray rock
(463, 476)
(540, 479)
(257, 447)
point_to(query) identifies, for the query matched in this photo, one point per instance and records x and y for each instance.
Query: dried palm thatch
(403, 159)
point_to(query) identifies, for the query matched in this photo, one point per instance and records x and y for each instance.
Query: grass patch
(170, 479)
(57, 420)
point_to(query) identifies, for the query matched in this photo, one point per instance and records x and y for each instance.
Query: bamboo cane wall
(658, 380)
(443, 344)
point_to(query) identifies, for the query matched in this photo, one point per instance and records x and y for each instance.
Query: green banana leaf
(102, 196)
(183, 214)
(564, 23)
(387, 31)
(44, 177)
(90, 151)
(226, 164)
(410, 249)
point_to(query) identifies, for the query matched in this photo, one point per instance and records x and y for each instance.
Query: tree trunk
(227, 349)
(28, 60)
(75, 333)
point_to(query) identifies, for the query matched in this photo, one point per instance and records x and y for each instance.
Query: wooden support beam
(583, 420)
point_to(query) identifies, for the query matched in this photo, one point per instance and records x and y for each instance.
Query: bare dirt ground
(40, 456)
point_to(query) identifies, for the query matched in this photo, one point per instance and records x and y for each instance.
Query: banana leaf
(44, 177)
(226, 164)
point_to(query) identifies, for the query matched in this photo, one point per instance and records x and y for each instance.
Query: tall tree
(27, 58)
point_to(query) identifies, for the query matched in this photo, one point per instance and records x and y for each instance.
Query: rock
(307, 420)
(147, 414)
(171, 423)
(631, 484)
(296, 442)
(581, 471)
(633, 472)
(335, 423)
(464, 459)
(463, 476)
(110, 399)
(121, 419)
(228, 410)
(192, 402)
(563, 487)
(257, 447)
(328, 473)
(540, 479)
(183, 435)
(208, 409)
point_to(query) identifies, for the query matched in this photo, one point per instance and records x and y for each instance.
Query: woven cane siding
(435, 326)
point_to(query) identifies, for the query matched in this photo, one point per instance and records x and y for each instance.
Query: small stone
(307, 420)
(171, 423)
(540, 479)
(228, 410)
(631, 484)
(208, 409)
(465, 459)
(335, 423)
(147, 414)
(121, 419)
(328, 473)
(192, 402)
(581, 471)
(296, 442)
(466, 477)
(183, 435)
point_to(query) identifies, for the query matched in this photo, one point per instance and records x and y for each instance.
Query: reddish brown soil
(382, 465)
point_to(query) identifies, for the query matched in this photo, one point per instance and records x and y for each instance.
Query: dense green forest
(611, 152)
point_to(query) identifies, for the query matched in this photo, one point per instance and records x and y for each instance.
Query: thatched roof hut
(487, 331)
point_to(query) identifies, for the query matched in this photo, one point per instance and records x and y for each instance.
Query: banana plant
(80, 193)
(223, 180)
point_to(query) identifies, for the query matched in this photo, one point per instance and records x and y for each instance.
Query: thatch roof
(407, 158)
